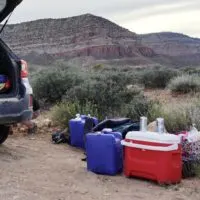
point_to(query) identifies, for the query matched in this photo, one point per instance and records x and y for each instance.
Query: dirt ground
(34, 168)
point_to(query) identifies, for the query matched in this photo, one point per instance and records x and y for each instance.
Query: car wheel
(4, 132)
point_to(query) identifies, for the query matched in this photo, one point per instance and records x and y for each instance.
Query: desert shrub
(194, 111)
(112, 93)
(178, 116)
(120, 77)
(98, 67)
(191, 70)
(185, 84)
(138, 107)
(197, 169)
(152, 78)
(51, 86)
(109, 94)
(134, 108)
(175, 120)
(62, 112)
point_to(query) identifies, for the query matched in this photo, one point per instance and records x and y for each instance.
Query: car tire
(4, 132)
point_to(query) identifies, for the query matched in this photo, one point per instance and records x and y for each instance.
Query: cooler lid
(153, 137)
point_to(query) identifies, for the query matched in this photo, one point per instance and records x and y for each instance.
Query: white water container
(143, 124)
(160, 125)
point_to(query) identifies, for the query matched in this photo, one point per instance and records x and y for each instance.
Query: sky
(140, 16)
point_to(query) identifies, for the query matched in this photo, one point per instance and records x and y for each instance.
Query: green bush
(109, 94)
(191, 70)
(114, 93)
(138, 107)
(197, 169)
(178, 116)
(55, 85)
(152, 78)
(97, 67)
(185, 84)
(50, 86)
(64, 111)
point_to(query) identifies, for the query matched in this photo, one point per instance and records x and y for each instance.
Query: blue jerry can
(104, 153)
(76, 128)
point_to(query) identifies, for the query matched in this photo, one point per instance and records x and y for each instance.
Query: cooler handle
(172, 147)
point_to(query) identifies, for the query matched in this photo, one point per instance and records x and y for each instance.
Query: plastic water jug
(104, 152)
(76, 128)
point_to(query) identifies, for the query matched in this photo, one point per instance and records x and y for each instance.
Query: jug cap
(78, 116)
(108, 130)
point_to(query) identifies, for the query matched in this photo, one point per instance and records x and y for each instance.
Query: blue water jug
(3, 78)
(77, 131)
(104, 152)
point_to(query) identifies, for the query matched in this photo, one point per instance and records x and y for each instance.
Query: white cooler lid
(153, 137)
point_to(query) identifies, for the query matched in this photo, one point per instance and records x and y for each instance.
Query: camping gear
(191, 144)
(104, 152)
(143, 123)
(4, 83)
(153, 156)
(122, 125)
(60, 137)
(190, 151)
(78, 128)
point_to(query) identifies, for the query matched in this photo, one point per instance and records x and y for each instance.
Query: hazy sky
(140, 16)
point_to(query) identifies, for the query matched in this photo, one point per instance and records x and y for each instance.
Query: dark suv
(15, 90)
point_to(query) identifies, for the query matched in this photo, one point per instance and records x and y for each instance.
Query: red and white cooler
(153, 156)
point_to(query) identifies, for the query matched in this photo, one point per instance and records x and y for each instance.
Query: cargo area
(8, 74)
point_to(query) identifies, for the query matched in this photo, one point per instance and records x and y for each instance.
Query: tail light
(24, 69)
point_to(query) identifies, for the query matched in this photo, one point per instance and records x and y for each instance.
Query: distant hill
(92, 38)
(180, 49)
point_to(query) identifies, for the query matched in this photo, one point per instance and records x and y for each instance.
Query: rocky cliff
(81, 36)
(89, 36)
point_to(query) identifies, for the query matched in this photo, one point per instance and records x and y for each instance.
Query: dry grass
(165, 96)
(179, 111)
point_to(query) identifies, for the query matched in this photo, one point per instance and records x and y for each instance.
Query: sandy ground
(33, 168)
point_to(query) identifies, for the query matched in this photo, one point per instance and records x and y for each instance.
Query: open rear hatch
(6, 7)
(9, 65)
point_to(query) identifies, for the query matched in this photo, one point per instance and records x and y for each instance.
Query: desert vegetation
(186, 83)
(108, 91)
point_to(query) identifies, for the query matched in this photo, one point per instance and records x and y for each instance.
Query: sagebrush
(152, 78)
(62, 112)
(186, 83)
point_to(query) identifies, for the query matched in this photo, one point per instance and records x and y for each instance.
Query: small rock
(48, 122)
(42, 131)
(22, 129)
(32, 138)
